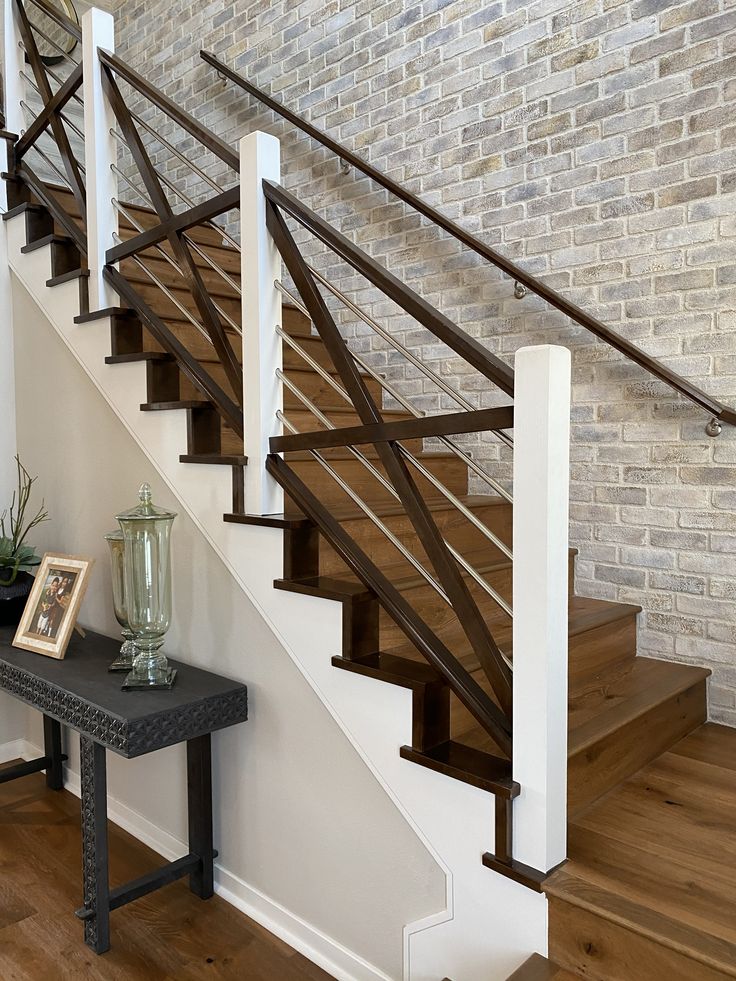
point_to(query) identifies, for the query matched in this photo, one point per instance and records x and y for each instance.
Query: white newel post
(100, 152)
(13, 65)
(540, 583)
(14, 91)
(260, 159)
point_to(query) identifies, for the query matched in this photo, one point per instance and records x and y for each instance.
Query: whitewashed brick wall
(594, 142)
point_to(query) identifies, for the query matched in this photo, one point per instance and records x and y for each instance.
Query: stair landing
(649, 891)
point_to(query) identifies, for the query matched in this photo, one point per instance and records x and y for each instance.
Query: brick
(689, 191)
(688, 58)
(687, 13)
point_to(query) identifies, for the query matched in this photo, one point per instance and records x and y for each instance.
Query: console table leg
(52, 749)
(96, 913)
(199, 784)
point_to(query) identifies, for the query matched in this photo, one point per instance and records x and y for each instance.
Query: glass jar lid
(146, 509)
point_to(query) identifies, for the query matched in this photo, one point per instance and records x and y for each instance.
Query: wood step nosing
(505, 787)
(68, 277)
(284, 521)
(214, 459)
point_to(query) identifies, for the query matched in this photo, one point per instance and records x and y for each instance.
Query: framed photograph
(53, 605)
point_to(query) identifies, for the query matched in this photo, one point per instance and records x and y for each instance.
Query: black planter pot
(13, 599)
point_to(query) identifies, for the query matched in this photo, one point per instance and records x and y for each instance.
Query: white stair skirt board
(490, 924)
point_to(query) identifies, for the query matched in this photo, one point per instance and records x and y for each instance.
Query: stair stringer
(489, 924)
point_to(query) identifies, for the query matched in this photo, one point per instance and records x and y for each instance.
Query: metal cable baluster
(170, 296)
(459, 558)
(394, 393)
(172, 262)
(370, 514)
(179, 193)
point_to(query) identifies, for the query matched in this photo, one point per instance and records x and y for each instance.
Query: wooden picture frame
(53, 604)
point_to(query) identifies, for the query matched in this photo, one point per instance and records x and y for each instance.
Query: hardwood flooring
(650, 888)
(167, 936)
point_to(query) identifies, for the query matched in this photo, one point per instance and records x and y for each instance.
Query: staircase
(646, 891)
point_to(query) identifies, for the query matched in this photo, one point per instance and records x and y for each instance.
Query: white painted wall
(300, 819)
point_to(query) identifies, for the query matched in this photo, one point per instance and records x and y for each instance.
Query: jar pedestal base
(164, 681)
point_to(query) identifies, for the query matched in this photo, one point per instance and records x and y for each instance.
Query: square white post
(540, 578)
(13, 64)
(14, 91)
(260, 159)
(100, 152)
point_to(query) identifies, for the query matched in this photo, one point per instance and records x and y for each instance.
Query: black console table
(80, 693)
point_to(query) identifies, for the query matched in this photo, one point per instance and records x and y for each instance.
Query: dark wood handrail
(469, 349)
(425, 427)
(60, 18)
(205, 136)
(576, 313)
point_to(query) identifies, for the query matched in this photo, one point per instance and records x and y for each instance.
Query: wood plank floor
(657, 857)
(167, 936)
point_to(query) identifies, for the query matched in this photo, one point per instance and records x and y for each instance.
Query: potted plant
(17, 557)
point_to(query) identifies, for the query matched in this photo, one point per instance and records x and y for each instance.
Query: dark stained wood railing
(50, 118)
(655, 367)
(385, 439)
(171, 228)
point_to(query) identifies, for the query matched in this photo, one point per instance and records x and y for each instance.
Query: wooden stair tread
(584, 614)
(539, 968)
(480, 769)
(180, 404)
(622, 694)
(215, 459)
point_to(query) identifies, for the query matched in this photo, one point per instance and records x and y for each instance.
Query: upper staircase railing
(719, 413)
(324, 424)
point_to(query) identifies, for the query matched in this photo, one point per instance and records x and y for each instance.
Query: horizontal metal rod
(187, 122)
(173, 188)
(372, 516)
(478, 578)
(171, 261)
(178, 222)
(154, 279)
(394, 393)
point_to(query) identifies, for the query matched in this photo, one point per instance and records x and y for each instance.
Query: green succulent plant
(15, 524)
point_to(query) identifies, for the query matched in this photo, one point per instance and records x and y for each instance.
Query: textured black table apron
(80, 693)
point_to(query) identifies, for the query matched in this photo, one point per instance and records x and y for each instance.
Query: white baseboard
(322, 950)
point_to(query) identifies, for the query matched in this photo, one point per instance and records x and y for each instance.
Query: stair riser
(365, 485)
(596, 650)
(314, 347)
(598, 948)
(455, 528)
(158, 301)
(436, 613)
(600, 767)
